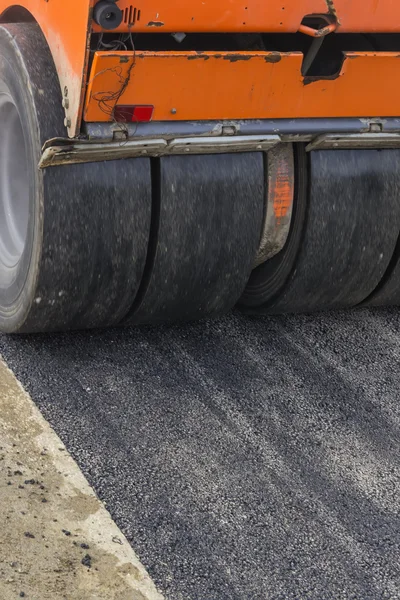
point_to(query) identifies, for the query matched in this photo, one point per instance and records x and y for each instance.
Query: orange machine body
(66, 26)
(279, 16)
(257, 85)
(215, 85)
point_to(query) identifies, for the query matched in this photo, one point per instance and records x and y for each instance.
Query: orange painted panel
(65, 25)
(255, 15)
(259, 85)
(216, 15)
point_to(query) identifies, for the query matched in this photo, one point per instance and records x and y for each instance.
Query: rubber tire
(387, 292)
(89, 225)
(207, 225)
(350, 233)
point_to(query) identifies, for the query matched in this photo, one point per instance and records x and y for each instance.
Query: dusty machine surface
(164, 160)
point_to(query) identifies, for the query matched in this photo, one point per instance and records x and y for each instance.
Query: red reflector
(133, 114)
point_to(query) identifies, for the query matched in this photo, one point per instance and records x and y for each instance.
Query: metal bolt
(119, 135)
(65, 103)
(66, 92)
(228, 130)
(375, 127)
(67, 122)
(173, 111)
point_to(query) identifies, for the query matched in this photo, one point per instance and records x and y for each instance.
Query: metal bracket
(61, 152)
(319, 35)
(330, 141)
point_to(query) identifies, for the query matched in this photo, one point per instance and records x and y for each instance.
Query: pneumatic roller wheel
(387, 293)
(348, 235)
(206, 230)
(73, 239)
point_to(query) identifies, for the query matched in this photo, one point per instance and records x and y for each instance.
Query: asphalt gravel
(244, 458)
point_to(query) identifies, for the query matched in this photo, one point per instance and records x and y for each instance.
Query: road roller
(165, 161)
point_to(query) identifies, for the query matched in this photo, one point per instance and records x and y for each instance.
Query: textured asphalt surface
(244, 459)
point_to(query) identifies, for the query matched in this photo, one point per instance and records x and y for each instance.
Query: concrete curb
(57, 540)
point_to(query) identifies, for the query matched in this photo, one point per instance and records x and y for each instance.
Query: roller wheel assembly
(150, 240)
(343, 237)
(73, 241)
(100, 244)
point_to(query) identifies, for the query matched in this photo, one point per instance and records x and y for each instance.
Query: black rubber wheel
(350, 233)
(387, 292)
(268, 279)
(73, 240)
(207, 220)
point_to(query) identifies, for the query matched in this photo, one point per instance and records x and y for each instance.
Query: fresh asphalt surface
(244, 459)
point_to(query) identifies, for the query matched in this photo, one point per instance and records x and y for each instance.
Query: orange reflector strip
(279, 202)
(282, 191)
